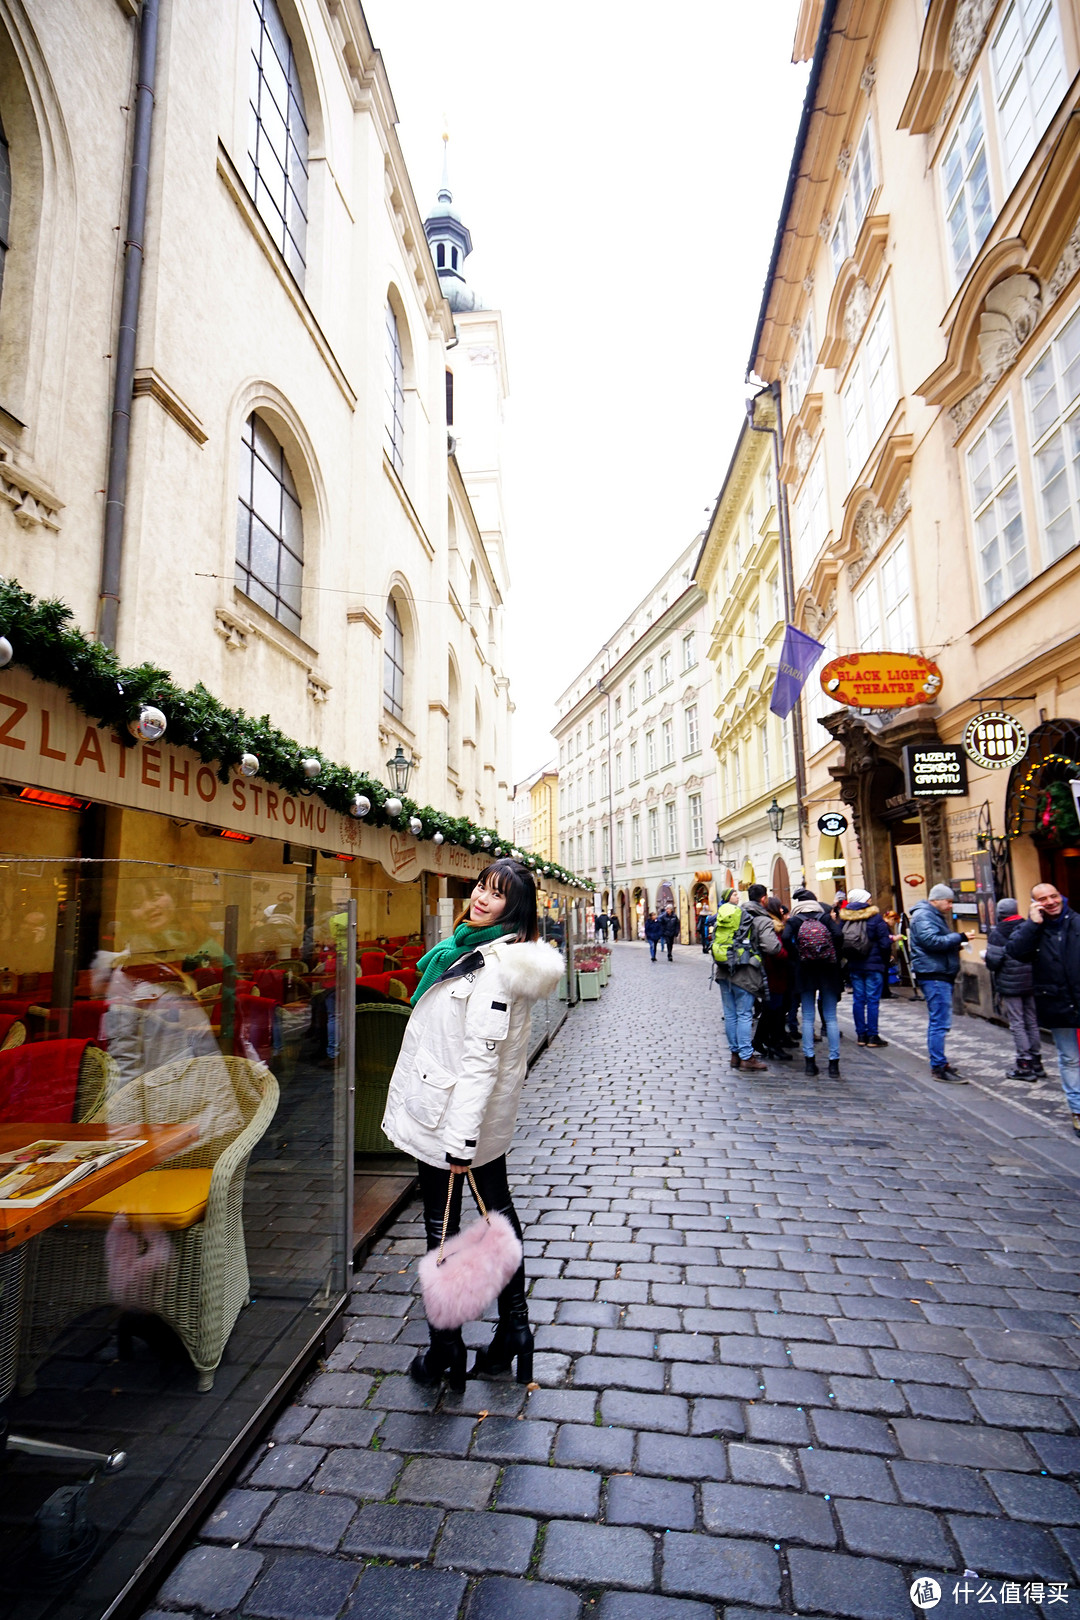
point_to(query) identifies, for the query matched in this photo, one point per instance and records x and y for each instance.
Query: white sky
(621, 168)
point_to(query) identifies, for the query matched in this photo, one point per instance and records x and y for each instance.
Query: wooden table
(159, 1142)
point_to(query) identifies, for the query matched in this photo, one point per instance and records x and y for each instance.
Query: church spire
(450, 243)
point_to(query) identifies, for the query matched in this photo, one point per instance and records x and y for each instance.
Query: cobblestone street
(799, 1341)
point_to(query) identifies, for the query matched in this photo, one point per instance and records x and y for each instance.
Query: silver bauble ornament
(416, 826)
(437, 838)
(472, 838)
(392, 808)
(150, 724)
(7, 652)
(360, 806)
(486, 841)
(311, 766)
(249, 764)
(547, 871)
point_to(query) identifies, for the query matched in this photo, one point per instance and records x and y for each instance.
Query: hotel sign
(884, 680)
(46, 742)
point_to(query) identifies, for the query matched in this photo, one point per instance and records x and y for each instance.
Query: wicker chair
(13, 1031)
(380, 1030)
(97, 1077)
(198, 1197)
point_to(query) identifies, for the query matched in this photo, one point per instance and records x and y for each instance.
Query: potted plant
(588, 976)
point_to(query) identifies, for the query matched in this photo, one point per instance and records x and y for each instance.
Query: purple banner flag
(798, 656)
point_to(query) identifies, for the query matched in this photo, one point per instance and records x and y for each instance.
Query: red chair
(270, 982)
(411, 954)
(408, 976)
(39, 1081)
(380, 983)
(84, 1023)
(372, 962)
(254, 1023)
(206, 976)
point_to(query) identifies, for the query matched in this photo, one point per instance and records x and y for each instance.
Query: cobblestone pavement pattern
(799, 1342)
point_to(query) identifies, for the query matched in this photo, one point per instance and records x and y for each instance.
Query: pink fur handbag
(460, 1281)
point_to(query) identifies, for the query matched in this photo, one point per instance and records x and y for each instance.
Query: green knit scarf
(464, 939)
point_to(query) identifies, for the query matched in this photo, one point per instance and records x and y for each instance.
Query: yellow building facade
(739, 569)
(922, 316)
(544, 796)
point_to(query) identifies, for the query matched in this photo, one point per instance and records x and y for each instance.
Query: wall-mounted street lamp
(399, 769)
(718, 848)
(775, 815)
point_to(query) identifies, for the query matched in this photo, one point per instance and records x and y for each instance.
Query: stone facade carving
(803, 448)
(843, 161)
(814, 617)
(869, 77)
(1067, 266)
(824, 226)
(233, 631)
(32, 507)
(808, 283)
(1008, 319)
(873, 526)
(856, 311)
(968, 32)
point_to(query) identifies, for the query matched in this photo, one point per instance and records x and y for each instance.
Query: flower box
(588, 985)
(563, 991)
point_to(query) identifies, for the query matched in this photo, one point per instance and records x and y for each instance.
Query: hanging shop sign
(995, 740)
(881, 680)
(832, 823)
(935, 771)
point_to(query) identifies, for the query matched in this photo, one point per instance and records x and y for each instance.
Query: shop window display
(174, 1150)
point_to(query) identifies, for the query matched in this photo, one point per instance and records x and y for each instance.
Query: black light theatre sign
(935, 771)
(995, 740)
(832, 823)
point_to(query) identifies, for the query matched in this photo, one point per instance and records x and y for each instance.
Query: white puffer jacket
(455, 1087)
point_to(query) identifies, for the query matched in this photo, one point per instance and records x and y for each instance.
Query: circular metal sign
(832, 823)
(995, 740)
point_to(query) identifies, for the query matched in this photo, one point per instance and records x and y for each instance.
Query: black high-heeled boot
(512, 1340)
(444, 1360)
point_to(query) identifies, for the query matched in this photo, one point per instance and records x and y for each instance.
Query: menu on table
(32, 1174)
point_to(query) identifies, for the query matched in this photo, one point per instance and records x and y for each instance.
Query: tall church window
(394, 663)
(395, 392)
(278, 136)
(270, 529)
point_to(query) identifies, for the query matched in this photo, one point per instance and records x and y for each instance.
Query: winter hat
(858, 897)
(1006, 907)
(941, 891)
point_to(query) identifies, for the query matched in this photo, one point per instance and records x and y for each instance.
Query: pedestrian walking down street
(704, 930)
(1050, 941)
(601, 928)
(935, 962)
(1013, 985)
(652, 933)
(867, 951)
(616, 928)
(669, 927)
(772, 1039)
(453, 1097)
(815, 940)
(742, 936)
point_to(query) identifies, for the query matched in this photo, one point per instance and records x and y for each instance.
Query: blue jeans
(738, 1018)
(938, 993)
(866, 986)
(829, 1000)
(1067, 1042)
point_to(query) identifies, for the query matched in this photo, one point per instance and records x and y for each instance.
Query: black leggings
(493, 1188)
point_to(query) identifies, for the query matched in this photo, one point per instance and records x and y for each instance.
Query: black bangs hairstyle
(513, 880)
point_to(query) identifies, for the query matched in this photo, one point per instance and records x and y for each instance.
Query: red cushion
(372, 962)
(84, 1022)
(38, 1082)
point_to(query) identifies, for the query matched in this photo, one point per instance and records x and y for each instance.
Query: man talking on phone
(1050, 941)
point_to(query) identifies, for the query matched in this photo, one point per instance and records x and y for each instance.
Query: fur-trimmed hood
(858, 913)
(530, 967)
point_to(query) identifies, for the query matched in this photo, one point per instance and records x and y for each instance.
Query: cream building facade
(637, 793)
(739, 568)
(299, 533)
(921, 313)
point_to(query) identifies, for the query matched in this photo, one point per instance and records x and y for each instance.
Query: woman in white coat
(453, 1097)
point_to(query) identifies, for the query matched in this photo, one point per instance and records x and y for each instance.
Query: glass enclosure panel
(185, 1021)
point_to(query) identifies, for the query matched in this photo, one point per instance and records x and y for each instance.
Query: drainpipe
(787, 577)
(112, 550)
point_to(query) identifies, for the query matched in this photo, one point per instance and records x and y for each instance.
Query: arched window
(5, 201)
(270, 530)
(440, 255)
(395, 392)
(393, 662)
(278, 136)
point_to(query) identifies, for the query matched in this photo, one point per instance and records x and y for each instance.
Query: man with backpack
(867, 950)
(814, 938)
(741, 936)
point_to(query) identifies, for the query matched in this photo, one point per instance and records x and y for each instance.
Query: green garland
(53, 649)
